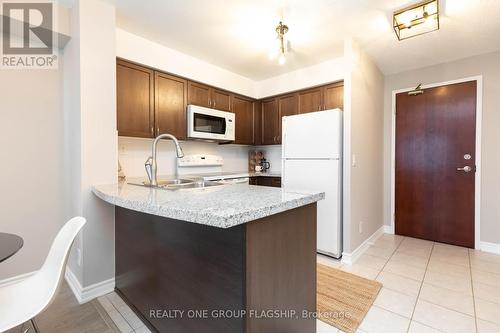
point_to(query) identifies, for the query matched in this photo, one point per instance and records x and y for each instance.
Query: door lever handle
(465, 169)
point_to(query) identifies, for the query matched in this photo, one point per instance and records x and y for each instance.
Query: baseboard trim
(489, 247)
(388, 229)
(15, 279)
(86, 294)
(350, 258)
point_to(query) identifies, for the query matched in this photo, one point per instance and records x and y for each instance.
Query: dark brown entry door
(435, 168)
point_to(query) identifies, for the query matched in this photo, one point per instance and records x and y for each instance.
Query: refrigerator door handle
(283, 137)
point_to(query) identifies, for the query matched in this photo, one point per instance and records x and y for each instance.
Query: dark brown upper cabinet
(333, 96)
(257, 123)
(151, 102)
(244, 111)
(310, 100)
(134, 100)
(221, 100)
(199, 94)
(321, 98)
(209, 97)
(287, 105)
(170, 105)
(270, 122)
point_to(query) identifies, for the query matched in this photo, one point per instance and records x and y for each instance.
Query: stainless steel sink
(178, 184)
(193, 185)
(171, 182)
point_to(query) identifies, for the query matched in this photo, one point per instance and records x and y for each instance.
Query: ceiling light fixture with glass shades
(417, 19)
(279, 52)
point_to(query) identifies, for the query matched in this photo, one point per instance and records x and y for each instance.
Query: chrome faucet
(151, 165)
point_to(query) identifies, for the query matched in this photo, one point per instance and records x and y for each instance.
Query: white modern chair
(21, 302)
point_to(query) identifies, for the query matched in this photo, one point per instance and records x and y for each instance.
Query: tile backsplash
(272, 155)
(133, 152)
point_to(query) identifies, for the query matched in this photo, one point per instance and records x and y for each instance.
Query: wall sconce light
(417, 19)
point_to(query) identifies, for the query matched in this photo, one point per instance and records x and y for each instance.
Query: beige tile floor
(428, 287)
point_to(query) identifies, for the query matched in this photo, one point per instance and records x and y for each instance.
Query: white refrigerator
(312, 160)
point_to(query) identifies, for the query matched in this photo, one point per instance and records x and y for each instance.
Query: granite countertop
(222, 206)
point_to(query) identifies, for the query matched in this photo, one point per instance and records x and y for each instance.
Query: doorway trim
(479, 117)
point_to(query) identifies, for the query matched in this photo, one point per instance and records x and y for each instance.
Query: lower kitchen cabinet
(266, 181)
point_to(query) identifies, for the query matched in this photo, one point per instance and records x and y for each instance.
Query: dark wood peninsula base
(187, 277)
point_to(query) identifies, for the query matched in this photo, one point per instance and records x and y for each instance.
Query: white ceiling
(239, 34)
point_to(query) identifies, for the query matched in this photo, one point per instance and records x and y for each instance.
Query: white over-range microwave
(209, 124)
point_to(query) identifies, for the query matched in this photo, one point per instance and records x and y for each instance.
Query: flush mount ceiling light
(417, 19)
(281, 30)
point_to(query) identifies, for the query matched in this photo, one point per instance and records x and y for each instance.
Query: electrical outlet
(79, 257)
(361, 227)
(354, 162)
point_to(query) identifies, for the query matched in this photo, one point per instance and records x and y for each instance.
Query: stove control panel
(200, 160)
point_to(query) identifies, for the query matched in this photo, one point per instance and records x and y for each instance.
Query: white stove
(209, 167)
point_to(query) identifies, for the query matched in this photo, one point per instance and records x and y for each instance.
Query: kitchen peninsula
(227, 258)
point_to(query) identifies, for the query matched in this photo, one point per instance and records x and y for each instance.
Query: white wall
(322, 73)
(489, 67)
(72, 135)
(31, 131)
(363, 144)
(146, 52)
(133, 152)
(91, 111)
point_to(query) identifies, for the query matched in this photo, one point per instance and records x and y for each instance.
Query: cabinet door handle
(158, 131)
(209, 102)
(152, 130)
(213, 102)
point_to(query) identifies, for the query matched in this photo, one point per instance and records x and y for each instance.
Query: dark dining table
(9, 245)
